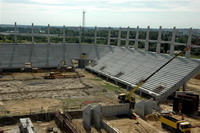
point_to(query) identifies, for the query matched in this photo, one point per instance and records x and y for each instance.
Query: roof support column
(159, 40)
(173, 41)
(95, 36)
(119, 37)
(15, 33)
(48, 46)
(48, 37)
(32, 33)
(187, 53)
(127, 37)
(64, 42)
(109, 31)
(80, 33)
(147, 40)
(136, 38)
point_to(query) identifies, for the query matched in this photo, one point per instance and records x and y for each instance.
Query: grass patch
(194, 56)
(72, 101)
(111, 87)
(97, 79)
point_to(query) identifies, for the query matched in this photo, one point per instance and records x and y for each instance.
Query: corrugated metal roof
(138, 64)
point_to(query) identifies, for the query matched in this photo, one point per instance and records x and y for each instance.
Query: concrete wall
(114, 110)
(96, 116)
(87, 116)
(145, 107)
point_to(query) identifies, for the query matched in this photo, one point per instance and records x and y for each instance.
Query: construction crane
(128, 98)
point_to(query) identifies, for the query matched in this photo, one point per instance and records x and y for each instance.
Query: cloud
(46, 11)
(112, 5)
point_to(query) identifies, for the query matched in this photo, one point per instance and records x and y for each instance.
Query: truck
(174, 125)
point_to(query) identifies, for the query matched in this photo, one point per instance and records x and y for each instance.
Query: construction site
(98, 88)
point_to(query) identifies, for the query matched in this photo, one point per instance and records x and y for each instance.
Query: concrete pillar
(147, 40)
(80, 34)
(64, 34)
(82, 63)
(127, 87)
(87, 116)
(136, 38)
(95, 35)
(64, 42)
(48, 46)
(109, 32)
(116, 82)
(189, 42)
(159, 40)
(119, 37)
(15, 33)
(96, 114)
(173, 41)
(32, 33)
(184, 87)
(32, 44)
(140, 93)
(95, 43)
(127, 37)
(48, 37)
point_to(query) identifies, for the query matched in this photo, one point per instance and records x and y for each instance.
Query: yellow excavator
(128, 98)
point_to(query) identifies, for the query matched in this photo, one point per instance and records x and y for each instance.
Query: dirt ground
(78, 123)
(194, 85)
(127, 125)
(24, 93)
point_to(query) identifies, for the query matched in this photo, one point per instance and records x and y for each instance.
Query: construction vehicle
(128, 98)
(27, 67)
(174, 125)
(51, 75)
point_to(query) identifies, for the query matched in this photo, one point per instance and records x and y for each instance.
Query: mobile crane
(128, 98)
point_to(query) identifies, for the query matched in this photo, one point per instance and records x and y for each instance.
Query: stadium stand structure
(129, 66)
(124, 65)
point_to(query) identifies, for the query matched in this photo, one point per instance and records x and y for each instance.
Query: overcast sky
(102, 13)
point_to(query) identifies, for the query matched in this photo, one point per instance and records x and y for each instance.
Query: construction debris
(26, 126)
(186, 103)
(64, 123)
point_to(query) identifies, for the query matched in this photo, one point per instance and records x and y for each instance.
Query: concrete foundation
(98, 112)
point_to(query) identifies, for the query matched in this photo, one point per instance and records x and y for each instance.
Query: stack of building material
(26, 126)
(186, 103)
